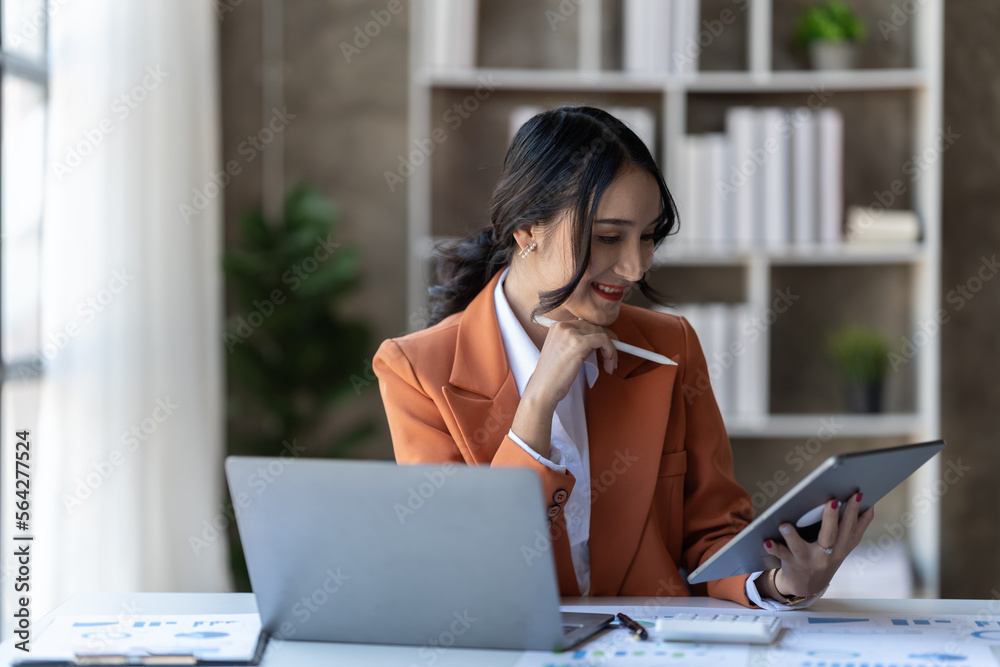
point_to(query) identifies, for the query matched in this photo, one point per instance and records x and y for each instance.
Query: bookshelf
(890, 114)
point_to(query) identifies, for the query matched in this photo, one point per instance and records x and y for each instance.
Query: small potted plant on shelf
(861, 355)
(831, 32)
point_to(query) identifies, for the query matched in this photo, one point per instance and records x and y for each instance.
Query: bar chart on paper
(808, 639)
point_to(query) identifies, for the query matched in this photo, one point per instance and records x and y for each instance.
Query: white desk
(300, 654)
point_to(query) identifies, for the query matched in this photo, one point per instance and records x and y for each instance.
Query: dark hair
(562, 159)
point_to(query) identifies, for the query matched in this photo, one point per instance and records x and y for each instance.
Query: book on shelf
(774, 179)
(639, 119)
(775, 183)
(521, 114)
(661, 36)
(732, 347)
(830, 131)
(739, 185)
(877, 225)
(452, 30)
(804, 178)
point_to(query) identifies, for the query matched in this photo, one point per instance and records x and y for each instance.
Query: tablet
(874, 472)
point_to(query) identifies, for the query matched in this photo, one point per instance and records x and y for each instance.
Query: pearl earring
(526, 249)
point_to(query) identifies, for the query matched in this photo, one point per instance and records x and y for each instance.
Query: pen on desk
(637, 629)
(620, 346)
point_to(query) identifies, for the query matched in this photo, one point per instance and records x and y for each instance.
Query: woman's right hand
(567, 345)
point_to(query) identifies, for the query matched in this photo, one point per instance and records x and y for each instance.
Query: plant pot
(832, 55)
(864, 397)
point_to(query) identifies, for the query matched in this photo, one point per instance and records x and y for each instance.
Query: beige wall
(351, 127)
(971, 339)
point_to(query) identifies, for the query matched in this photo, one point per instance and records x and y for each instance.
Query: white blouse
(570, 447)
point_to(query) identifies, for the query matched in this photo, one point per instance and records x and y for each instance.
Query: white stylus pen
(620, 346)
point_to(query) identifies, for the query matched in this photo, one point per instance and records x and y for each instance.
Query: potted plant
(831, 32)
(292, 350)
(861, 355)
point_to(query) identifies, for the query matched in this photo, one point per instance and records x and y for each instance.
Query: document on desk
(809, 639)
(178, 639)
(616, 646)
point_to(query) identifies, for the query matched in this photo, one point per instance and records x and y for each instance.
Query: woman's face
(621, 249)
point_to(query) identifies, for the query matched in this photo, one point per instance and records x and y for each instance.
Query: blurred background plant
(831, 32)
(832, 21)
(861, 355)
(290, 354)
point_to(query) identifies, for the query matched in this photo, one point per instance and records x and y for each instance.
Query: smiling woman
(636, 468)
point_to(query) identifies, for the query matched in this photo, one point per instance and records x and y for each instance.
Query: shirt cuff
(771, 605)
(558, 467)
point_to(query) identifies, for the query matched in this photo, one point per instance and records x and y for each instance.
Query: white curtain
(128, 454)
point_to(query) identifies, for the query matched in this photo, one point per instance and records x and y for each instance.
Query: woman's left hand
(808, 567)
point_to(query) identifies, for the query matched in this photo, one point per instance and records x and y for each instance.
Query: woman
(635, 463)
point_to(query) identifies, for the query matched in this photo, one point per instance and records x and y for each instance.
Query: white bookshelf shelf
(676, 99)
(806, 426)
(669, 255)
(702, 82)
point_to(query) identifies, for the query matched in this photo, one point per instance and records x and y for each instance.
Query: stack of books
(661, 36)
(733, 343)
(639, 119)
(773, 179)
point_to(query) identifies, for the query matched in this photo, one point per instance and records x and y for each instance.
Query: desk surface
(282, 653)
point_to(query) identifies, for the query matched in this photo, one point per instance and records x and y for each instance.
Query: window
(23, 99)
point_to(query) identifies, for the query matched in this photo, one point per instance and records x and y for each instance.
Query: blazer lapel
(483, 395)
(627, 415)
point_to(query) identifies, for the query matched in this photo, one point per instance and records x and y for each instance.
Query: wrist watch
(782, 598)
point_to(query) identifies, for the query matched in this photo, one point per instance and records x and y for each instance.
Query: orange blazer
(663, 492)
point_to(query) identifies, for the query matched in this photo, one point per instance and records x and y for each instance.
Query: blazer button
(553, 511)
(560, 496)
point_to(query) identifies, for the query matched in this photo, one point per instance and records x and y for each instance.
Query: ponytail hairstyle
(560, 160)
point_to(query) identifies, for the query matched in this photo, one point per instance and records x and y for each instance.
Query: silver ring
(825, 550)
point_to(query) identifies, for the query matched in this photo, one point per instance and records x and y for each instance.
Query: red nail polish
(858, 497)
(834, 504)
(768, 543)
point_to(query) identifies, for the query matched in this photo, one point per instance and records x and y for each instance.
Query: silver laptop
(372, 552)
